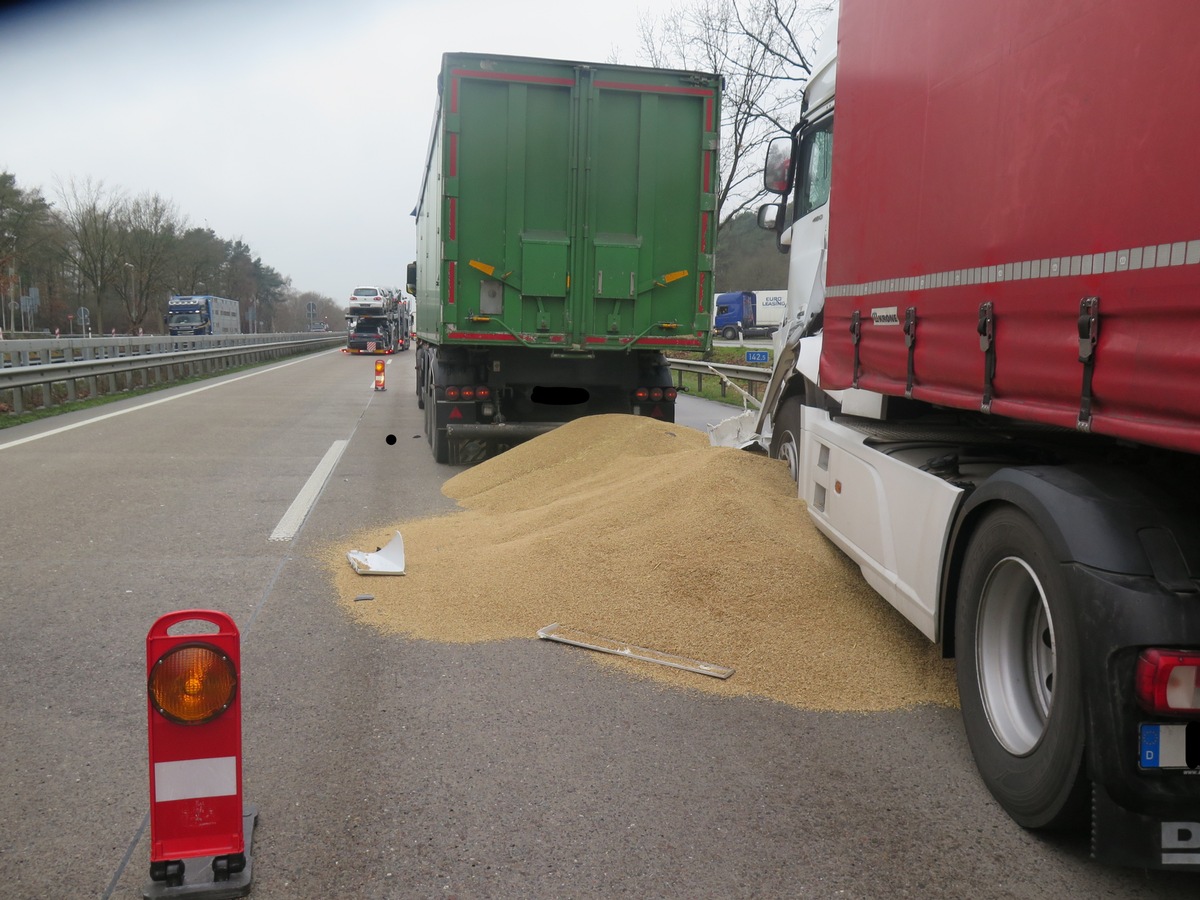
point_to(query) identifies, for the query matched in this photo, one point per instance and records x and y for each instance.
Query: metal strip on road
(298, 511)
(579, 638)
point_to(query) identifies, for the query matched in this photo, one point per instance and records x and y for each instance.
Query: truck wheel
(785, 437)
(729, 333)
(1019, 680)
(437, 436)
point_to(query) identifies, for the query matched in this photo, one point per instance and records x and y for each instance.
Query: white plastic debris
(387, 560)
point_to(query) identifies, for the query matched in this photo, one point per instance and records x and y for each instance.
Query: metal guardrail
(63, 368)
(745, 373)
(752, 375)
(65, 362)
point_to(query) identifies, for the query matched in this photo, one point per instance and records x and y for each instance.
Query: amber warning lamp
(198, 821)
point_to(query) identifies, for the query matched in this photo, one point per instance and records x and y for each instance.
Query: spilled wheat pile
(640, 531)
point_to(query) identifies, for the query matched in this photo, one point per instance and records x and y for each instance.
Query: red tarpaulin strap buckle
(910, 341)
(1089, 333)
(855, 337)
(987, 343)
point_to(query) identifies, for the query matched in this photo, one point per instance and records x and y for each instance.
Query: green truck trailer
(565, 237)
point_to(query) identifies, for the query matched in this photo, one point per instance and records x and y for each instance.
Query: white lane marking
(121, 412)
(296, 513)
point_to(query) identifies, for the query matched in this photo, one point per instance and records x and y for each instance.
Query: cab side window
(814, 169)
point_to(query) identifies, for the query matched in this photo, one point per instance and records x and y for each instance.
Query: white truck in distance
(991, 401)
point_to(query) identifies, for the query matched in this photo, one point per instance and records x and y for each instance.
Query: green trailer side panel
(575, 208)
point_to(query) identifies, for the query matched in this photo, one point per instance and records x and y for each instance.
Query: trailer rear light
(193, 684)
(468, 393)
(641, 393)
(1168, 681)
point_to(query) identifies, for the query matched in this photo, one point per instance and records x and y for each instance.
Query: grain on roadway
(640, 531)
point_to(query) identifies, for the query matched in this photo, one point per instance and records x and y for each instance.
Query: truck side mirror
(411, 287)
(775, 217)
(768, 216)
(779, 171)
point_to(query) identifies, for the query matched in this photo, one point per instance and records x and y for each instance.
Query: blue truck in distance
(203, 314)
(740, 314)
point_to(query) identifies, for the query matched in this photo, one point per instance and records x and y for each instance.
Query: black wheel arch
(1095, 516)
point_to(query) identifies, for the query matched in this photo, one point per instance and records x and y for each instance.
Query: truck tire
(785, 436)
(420, 379)
(1019, 679)
(438, 441)
(729, 333)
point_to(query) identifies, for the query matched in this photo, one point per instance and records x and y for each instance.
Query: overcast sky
(298, 126)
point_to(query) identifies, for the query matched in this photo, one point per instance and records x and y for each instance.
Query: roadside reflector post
(379, 375)
(194, 715)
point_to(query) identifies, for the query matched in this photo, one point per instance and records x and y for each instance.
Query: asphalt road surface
(389, 768)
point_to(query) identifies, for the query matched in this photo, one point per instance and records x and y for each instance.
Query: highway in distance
(384, 767)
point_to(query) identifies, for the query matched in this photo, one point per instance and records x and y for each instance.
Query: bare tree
(92, 217)
(196, 263)
(762, 49)
(153, 228)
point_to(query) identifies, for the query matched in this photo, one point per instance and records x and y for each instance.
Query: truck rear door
(580, 202)
(648, 199)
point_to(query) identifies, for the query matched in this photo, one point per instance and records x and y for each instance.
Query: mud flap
(1125, 838)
